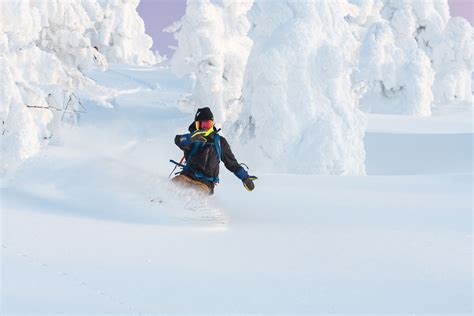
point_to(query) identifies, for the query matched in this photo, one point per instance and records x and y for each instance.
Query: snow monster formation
(45, 46)
(295, 102)
(120, 32)
(300, 113)
(213, 46)
(453, 60)
(413, 56)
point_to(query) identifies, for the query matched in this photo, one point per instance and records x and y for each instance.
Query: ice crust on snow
(45, 46)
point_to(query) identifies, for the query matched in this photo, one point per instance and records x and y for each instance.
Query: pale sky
(159, 14)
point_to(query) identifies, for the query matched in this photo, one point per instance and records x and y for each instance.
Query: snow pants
(187, 182)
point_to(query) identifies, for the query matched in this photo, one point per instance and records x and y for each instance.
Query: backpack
(217, 145)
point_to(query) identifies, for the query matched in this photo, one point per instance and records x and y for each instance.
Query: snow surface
(80, 235)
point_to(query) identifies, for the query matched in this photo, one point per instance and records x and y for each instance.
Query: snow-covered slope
(81, 235)
(92, 225)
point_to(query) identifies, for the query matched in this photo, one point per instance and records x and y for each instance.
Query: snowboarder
(203, 150)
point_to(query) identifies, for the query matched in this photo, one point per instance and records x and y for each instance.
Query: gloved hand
(246, 179)
(248, 183)
(198, 136)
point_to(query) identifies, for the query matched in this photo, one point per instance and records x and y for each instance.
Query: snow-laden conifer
(45, 48)
(213, 47)
(300, 113)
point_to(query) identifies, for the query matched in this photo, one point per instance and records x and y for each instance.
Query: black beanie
(204, 114)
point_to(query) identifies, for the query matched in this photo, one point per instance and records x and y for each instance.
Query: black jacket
(206, 159)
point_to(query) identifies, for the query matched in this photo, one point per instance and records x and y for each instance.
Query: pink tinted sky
(463, 8)
(159, 14)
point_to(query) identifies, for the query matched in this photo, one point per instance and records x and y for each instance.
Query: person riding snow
(203, 150)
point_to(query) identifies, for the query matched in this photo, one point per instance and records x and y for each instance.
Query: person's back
(203, 150)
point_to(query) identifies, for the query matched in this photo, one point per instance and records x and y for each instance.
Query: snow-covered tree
(453, 61)
(311, 62)
(45, 46)
(213, 47)
(120, 32)
(399, 79)
(413, 56)
(300, 113)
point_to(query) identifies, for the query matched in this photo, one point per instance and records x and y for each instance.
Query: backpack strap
(195, 148)
(217, 144)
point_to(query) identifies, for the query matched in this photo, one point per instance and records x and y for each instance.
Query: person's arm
(233, 165)
(183, 141)
(228, 157)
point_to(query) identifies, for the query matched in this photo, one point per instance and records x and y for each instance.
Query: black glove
(248, 183)
(198, 136)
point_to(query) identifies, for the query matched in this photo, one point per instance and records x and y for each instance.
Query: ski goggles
(204, 125)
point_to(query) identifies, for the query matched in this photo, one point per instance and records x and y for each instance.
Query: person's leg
(187, 182)
(202, 187)
(181, 180)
